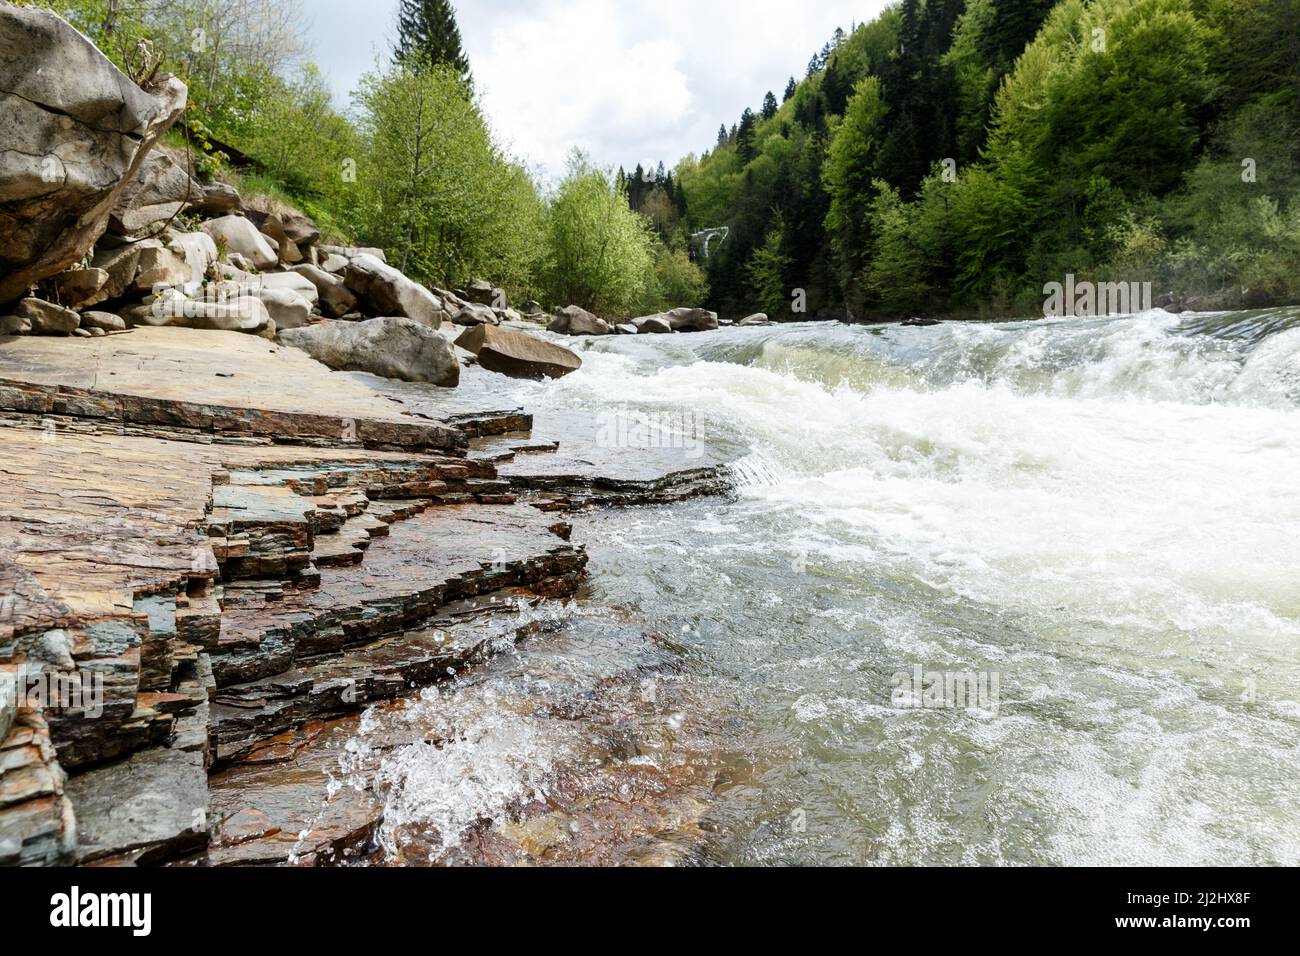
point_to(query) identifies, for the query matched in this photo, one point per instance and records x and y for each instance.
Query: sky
(626, 82)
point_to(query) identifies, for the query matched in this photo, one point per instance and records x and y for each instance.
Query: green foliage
(674, 281)
(431, 186)
(768, 269)
(852, 162)
(600, 251)
(298, 138)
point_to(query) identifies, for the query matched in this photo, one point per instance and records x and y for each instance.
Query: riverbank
(216, 576)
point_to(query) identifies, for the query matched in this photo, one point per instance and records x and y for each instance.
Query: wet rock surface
(576, 744)
(219, 583)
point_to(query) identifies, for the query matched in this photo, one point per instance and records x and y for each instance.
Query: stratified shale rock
(75, 131)
(213, 548)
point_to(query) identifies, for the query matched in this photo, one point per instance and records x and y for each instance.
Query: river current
(1090, 525)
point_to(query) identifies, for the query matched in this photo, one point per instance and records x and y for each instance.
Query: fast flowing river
(1090, 525)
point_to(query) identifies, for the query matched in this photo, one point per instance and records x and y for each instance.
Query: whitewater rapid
(1105, 513)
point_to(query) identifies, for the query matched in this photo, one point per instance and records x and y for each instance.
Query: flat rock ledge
(195, 577)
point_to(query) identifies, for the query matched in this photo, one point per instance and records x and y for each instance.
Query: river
(1093, 523)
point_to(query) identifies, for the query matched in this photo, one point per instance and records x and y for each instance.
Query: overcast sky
(627, 82)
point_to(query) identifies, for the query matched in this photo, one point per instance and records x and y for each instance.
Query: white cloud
(576, 74)
(626, 82)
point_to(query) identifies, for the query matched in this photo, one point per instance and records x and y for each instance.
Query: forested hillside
(950, 156)
(411, 164)
(955, 156)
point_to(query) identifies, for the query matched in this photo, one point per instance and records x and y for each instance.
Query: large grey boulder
(73, 131)
(472, 313)
(335, 299)
(516, 354)
(388, 292)
(161, 188)
(388, 347)
(289, 309)
(573, 320)
(46, 317)
(351, 252)
(159, 268)
(758, 318)
(121, 263)
(652, 325)
(281, 281)
(15, 325)
(198, 250)
(172, 308)
(485, 293)
(79, 288)
(692, 320)
(241, 237)
(104, 321)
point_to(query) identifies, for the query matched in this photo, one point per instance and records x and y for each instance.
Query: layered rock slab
(209, 381)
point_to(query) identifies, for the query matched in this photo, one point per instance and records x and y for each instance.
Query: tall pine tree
(427, 32)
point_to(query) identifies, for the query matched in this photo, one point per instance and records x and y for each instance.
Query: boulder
(159, 268)
(334, 263)
(75, 130)
(238, 314)
(516, 354)
(531, 308)
(335, 299)
(652, 325)
(103, 321)
(242, 238)
(287, 281)
(572, 320)
(485, 293)
(625, 328)
(120, 263)
(78, 288)
(388, 292)
(301, 230)
(198, 250)
(351, 252)
(692, 320)
(15, 325)
(473, 314)
(218, 199)
(758, 318)
(397, 348)
(46, 317)
(272, 228)
(162, 187)
(289, 309)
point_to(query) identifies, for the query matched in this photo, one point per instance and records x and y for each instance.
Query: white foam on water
(1107, 510)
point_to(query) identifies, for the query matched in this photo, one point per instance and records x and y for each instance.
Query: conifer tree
(745, 136)
(769, 105)
(427, 32)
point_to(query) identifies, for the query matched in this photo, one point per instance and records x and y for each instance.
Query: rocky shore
(250, 488)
